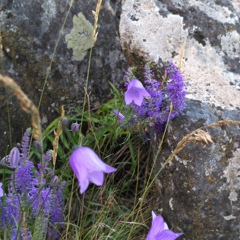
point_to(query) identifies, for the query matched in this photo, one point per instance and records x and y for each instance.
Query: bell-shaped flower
(88, 167)
(135, 93)
(160, 231)
(1, 190)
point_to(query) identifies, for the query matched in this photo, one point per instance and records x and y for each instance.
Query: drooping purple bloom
(160, 231)
(119, 115)
(88, 167)
(1, 190)
(135, 93)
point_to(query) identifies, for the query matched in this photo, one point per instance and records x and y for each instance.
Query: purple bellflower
(135, 93)
(160, 231)
(88, 167)
(1, 190)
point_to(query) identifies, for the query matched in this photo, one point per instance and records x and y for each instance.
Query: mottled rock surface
(200, 189)
(156, 30)
(30, 32)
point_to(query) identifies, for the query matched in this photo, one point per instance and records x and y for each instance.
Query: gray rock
(199, 190)
(30, 31)
(155, 31)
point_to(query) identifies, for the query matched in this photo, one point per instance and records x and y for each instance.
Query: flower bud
(38, 146)
(14, 157)
(64, 122)
(75, 127)
(54, 182)
(119, 115)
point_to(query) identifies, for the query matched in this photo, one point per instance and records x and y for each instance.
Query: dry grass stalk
(24, 224)
(26, 104)
(56, 138)
(95, 15)
(199, 135)
(182, 55)
(223, 122)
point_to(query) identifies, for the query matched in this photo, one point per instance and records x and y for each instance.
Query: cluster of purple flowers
(34, 198)
(158, 101)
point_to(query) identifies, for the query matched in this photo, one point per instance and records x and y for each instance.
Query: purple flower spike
(1, 190)
(88, 167)
(159, 230)
(119, 115)
(135, 93)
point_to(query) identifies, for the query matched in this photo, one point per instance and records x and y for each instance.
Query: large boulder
(43, 40)
(199, 189)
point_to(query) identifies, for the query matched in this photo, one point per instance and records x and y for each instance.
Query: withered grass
(199, 135)
(26, 104)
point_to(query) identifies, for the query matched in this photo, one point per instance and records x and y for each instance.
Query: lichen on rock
(232, 173)
(80, 39)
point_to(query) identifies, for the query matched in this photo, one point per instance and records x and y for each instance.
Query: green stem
(85, 96)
